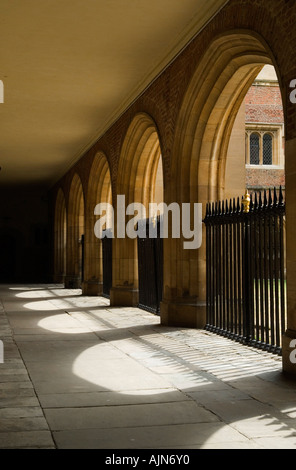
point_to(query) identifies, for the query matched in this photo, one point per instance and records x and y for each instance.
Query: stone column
(184, 296)
(290, 334)
(92, 284)
(124, 291)
(72, 277)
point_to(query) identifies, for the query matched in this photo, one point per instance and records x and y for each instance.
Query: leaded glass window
(254, 149)
(267, 149)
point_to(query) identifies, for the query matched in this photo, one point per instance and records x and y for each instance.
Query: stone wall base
(183, 315)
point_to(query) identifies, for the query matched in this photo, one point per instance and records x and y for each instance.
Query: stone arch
(215, 93)
(99, 191)
(75, 231)
(212, 100)
(60, 237)
(139, 174)
(139, 159)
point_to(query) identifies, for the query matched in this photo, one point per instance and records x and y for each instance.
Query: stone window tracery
(263, 146)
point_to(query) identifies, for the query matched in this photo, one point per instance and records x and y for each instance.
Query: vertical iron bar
(256, 272)
(220, 324)
(235, 267)
(266, 273)
(223, 267)
(231, 269)
(247, 303)
(240, 296)
(208, 267)
(252, 270)
(276, 236)
(212, 273)
(282, 264)
(213, 266)
(261, 269)
(271, 271)
(217, 238)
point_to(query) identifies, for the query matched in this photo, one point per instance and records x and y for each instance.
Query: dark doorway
(7, 258)
(150, 265)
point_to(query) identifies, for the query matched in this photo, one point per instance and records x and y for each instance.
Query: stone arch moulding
(99, 190)
(140, 153)
(75, 230)
(60, 234)
(210, 105)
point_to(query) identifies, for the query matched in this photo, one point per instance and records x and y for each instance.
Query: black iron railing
(246, 285)
(81, 258)
(107, 262)
(150, 264)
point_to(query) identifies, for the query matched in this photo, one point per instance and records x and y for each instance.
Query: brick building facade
(265, 143)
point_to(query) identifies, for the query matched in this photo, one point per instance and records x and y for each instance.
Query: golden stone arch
(99, 191)
(212, 100)
(75, 230)
(140, 180)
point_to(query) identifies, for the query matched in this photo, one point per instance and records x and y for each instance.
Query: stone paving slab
(80, 374)
(95, 399)
(151, 437)
(157, 414)
(22, 421)
(26, 440)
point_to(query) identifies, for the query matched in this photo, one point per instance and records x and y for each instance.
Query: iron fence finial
(246, 202)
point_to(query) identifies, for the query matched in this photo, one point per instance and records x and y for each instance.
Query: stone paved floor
(78, 374)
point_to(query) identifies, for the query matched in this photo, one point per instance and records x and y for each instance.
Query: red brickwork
(264, 105)
(264, 178)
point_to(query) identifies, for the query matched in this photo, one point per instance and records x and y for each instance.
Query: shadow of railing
(232, 388)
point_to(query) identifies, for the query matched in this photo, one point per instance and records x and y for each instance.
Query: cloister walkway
(78, 374)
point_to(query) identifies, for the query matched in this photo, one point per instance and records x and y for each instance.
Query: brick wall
(264, 178)
(264, 105)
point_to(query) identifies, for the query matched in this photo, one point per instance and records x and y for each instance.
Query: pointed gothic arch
(99, 191)
(213, 98)
(75, 233)
(139, 166)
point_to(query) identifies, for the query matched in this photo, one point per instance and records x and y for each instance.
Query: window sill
(264, 167)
